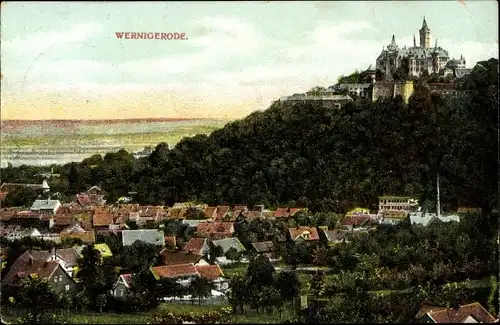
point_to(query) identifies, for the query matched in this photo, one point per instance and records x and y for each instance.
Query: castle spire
(393, 41)
(414, 41)
(424, 24)
(436, 45)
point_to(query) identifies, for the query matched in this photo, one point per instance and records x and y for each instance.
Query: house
(425, 219)
(210, 212)
(122, 286)
(469, 210)
(357, 212)
(174, 257)
(471, 313)
(266, 248)
(29, 264)
(229, 243)
(197, 246)
(286, 212)
(193, 223)
(336, 236)
(221, 212)
(213, 273)
(183, 273)
(46, 206)
(393, 217)
(77, 231)
(152, 236)
(387, 203)
(104, 250)
(102, 218)
(215, 229)
(89, 199)
(15, 232)
(304, 233)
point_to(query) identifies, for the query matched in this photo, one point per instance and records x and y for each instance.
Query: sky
(64, 61)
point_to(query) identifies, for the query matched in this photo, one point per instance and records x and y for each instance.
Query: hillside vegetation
(305, 155)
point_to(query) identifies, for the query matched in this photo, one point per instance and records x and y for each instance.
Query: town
(197, 247)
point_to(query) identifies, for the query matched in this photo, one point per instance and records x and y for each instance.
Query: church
(422, 59)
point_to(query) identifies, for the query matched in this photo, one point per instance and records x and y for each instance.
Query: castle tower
(425, 35)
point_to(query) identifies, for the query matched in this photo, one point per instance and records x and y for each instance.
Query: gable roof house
(215, 229)
(102, 218)
(152, 236)
(226, 244)
(336, 236)
(29, 264)
(46, 206)
(185, 273)
(122, 286)
(77, 231)
(210, 212)
(221, 212)
(197, 245)
(174, 257)
(304, 233)
(471, 313)
(266, 248)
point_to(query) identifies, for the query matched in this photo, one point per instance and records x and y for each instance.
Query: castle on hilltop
(386, 80)
(422, 59)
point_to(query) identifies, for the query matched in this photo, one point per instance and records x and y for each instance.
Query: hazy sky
(63, 60)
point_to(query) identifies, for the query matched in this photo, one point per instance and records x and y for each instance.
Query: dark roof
(263, 246)
(174, 257)
(26, 265)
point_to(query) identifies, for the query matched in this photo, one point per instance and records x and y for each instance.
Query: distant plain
(47, 142)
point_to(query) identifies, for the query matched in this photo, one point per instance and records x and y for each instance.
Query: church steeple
(414, 41)
(436, 44)
(393, 41)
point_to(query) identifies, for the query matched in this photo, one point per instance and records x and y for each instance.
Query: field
(59, 142)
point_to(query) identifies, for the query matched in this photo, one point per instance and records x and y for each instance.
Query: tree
(289, 285)
(238, 293)
(139, 256)
(214, 252)
(37, 297)
(260, 271)
(201, 288)
(145, 288)
(232, 254)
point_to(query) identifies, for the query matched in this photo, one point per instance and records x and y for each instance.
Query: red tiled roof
(102, 218)
(298, 231)
(459, 315)
(127, 278)
(222, 211)
(174, 257)
(210, 212)
(195, 245)
(173, 271)
(224, 227)
(205, 228)
(281, 213)
(355, 220)
(27, 215)
(210, 272)
(294, 211)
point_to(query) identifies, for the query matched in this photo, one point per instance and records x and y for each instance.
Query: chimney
(53, 251)
(30, 260)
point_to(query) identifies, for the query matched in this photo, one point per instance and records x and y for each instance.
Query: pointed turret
(424, 24)
(393, 41)
(414, 41)
(436, 44)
